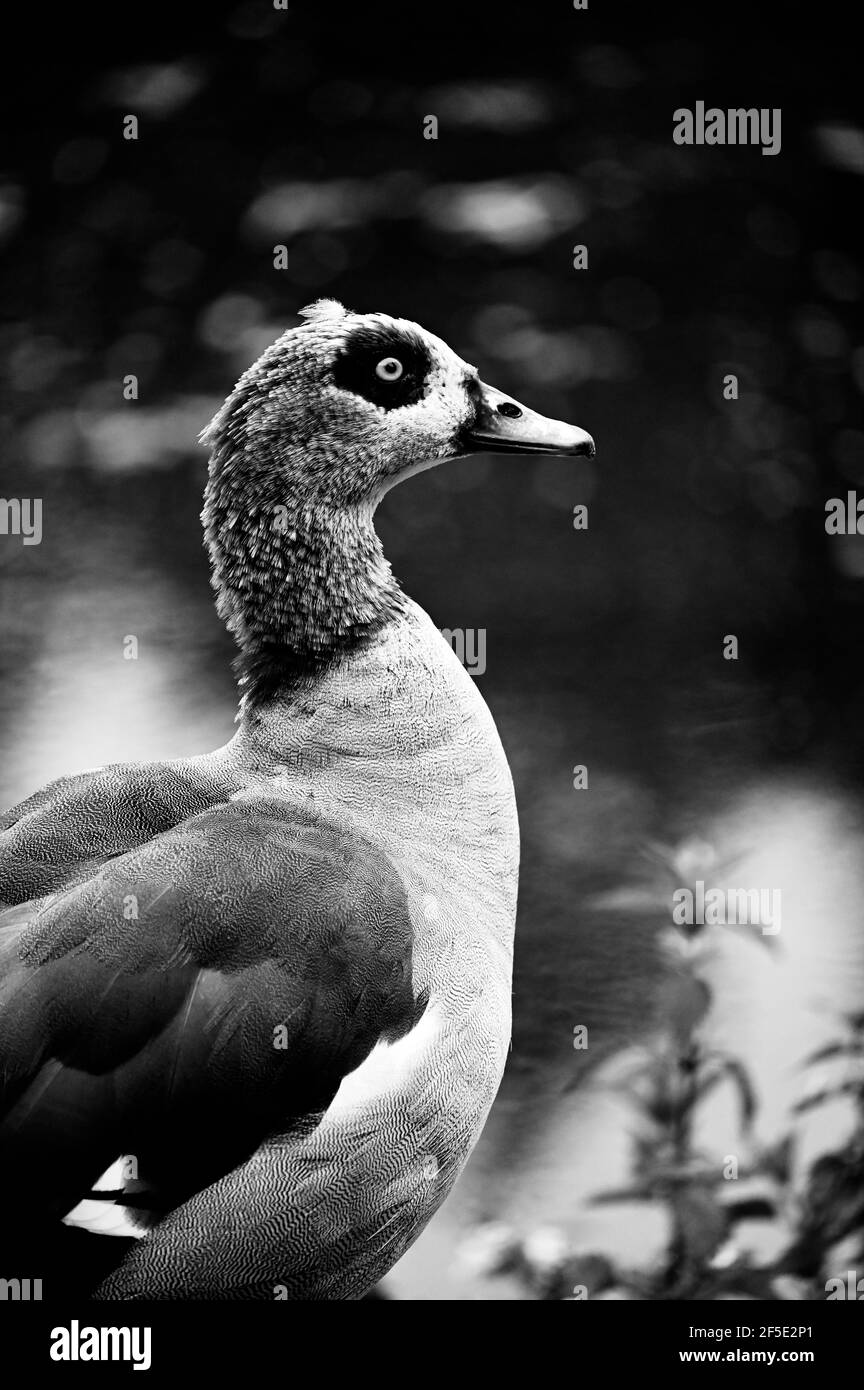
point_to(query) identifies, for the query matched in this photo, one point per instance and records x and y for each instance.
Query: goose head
(313, 435)
(346, 405)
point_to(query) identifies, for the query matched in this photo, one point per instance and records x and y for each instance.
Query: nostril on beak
(510, 410)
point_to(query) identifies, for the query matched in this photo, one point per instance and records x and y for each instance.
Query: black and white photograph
(431, 612)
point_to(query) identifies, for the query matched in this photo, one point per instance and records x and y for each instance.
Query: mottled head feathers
(313, 434)
(344, 403)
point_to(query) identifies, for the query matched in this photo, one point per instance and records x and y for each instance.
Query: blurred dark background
(154, 257)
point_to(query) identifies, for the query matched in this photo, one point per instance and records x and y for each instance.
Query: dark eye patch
(354, 367)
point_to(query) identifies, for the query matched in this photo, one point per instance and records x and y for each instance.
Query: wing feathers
(207, 985)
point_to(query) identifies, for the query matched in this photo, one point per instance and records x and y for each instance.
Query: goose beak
(503, 426)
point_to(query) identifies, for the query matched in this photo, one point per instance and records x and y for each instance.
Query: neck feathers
(299, 583)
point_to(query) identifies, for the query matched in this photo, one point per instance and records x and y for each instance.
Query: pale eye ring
(389, 369)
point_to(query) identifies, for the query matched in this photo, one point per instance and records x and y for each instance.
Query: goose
(269, 988)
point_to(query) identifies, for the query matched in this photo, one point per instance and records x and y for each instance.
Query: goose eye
(389, 369)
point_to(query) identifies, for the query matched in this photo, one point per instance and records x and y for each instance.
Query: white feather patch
(386, 1069)
(105, 1218)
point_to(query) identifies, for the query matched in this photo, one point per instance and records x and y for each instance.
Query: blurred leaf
(752, 1208)
(843, 1088)
(852, 1048)
(624, 1194)
(718, 1068)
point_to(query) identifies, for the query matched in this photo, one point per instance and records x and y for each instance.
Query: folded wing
(193, 994)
